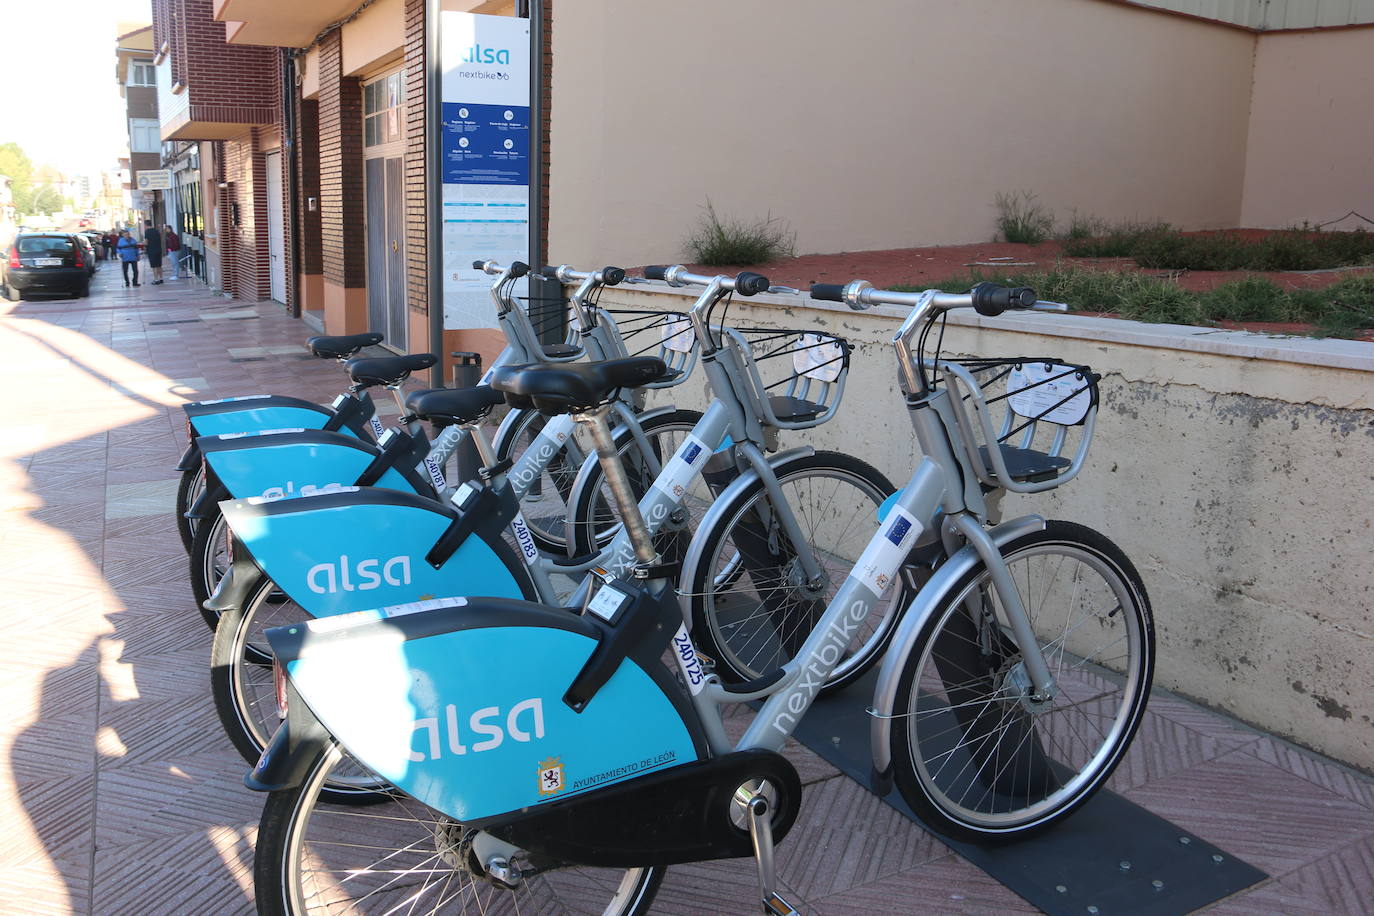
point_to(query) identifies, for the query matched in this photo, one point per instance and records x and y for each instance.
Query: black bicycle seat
(446, 406)
(342, 346)
(570, 387)
(388, 370)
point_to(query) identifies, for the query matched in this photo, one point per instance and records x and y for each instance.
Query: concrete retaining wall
(1236, 470)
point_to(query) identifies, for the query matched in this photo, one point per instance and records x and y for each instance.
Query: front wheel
(752, 603)
(404, 857)
(210, 556)
(188, 491)
(974, 754)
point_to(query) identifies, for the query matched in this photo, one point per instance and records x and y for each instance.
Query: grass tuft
(1021, 218)
(729, 241)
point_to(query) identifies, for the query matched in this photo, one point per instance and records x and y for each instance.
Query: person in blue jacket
(128, 256)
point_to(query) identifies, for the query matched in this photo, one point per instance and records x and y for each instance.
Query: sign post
(485, 168)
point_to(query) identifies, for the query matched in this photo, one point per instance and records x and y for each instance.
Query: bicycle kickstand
(761, 832)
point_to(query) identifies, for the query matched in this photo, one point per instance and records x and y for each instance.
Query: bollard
(467, 372)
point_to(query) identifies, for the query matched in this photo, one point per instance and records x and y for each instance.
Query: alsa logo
(308, 489)
(524, 722)
(328, 578)
(480, 55)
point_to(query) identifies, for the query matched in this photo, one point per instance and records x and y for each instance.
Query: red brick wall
(308, 183)
(245, 167)
(417, 238)
(225, 83)
(342, 206)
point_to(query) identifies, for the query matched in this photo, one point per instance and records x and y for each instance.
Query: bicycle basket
(796, 378)
(665, 334)
(1020, 417)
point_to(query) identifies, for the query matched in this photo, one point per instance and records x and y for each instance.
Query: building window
(144, 136)
(142, 73)
(382, 116)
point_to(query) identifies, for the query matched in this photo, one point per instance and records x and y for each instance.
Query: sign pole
(434, 203)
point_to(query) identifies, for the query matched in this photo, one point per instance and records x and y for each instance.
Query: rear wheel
(209, 560)
(188, 491)
(752, 608)
(974, 755)
(404, 857)
(12, 294)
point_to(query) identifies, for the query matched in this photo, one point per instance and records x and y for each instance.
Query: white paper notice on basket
(817, 357)
(677, 335)
(883, 556)
(1036, 389)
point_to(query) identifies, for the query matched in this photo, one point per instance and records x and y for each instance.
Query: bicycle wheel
(545, 504)
(209, 560)
(973, 755)
(752, 608)
(188, 491)
(597, 520)
(404, 857)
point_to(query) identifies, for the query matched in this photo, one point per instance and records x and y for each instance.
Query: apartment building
(137, 78)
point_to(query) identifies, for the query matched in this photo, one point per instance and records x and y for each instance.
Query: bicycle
(281, 543)
(581, 767)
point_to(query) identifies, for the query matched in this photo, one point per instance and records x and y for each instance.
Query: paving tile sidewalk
(121, 795)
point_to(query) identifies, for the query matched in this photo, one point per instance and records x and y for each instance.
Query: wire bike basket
(794, 378)
(1027, 421)
(665, 334)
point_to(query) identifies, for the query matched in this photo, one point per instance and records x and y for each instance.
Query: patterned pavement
(120, 795)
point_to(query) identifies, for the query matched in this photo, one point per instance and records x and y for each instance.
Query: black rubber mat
(1111, 857)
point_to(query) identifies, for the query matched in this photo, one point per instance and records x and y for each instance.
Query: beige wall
(377, 36)
(885, 124)
(1236, 471)
(1310, 154)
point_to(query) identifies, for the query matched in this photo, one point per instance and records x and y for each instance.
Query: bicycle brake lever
(1044, 306)
(784, 289)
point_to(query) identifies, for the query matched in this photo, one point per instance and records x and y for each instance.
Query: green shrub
(1160, 302)
(1250, 299)
(1349, 310)
(1021, 218)
(1105, 240)
(717, 241)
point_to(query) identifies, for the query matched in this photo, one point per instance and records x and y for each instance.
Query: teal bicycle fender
(285, 464)
(255, 412)
(459, 703)
(362, 547)
(930, 597)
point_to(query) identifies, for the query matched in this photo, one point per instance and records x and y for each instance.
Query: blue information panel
(486, 144)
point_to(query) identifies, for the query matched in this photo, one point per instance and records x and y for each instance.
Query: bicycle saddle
(567, 388)
(342, 346)
(447, 406)
(388, 370)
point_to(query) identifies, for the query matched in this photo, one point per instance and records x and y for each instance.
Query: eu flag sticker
(690, 453)
(898, 531)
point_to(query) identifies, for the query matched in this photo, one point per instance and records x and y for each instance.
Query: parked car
(45, 262)
(88, 242)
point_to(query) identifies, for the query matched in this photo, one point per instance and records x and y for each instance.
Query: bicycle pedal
(774, 905)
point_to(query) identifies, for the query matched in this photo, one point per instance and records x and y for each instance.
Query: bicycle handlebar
(606, 276)
(746, 283)
(517, 268)
(986, 298)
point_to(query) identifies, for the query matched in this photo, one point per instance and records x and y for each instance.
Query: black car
(92, 255)
(45, 262)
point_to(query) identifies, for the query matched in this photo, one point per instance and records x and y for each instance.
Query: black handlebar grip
(749, 283)
(992, 300)
(611, 276)
(655, 273)
(518, 269)
(478, 265)
(550, 271)
(830, 292)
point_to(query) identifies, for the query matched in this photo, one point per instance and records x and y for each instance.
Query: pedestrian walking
(152, 247)
(173, 243)
(111, 240)
(128, 256)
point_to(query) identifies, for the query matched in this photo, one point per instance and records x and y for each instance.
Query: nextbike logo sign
(486, 722)
(480, 55)
(365, 575)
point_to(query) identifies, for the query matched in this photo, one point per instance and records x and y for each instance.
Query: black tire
(12, 294)
(406, 839)
(83, 290)
(209, 558)
(188, 490)
(241, 677)
(750, 610)
(596, 519)
(971, 753)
